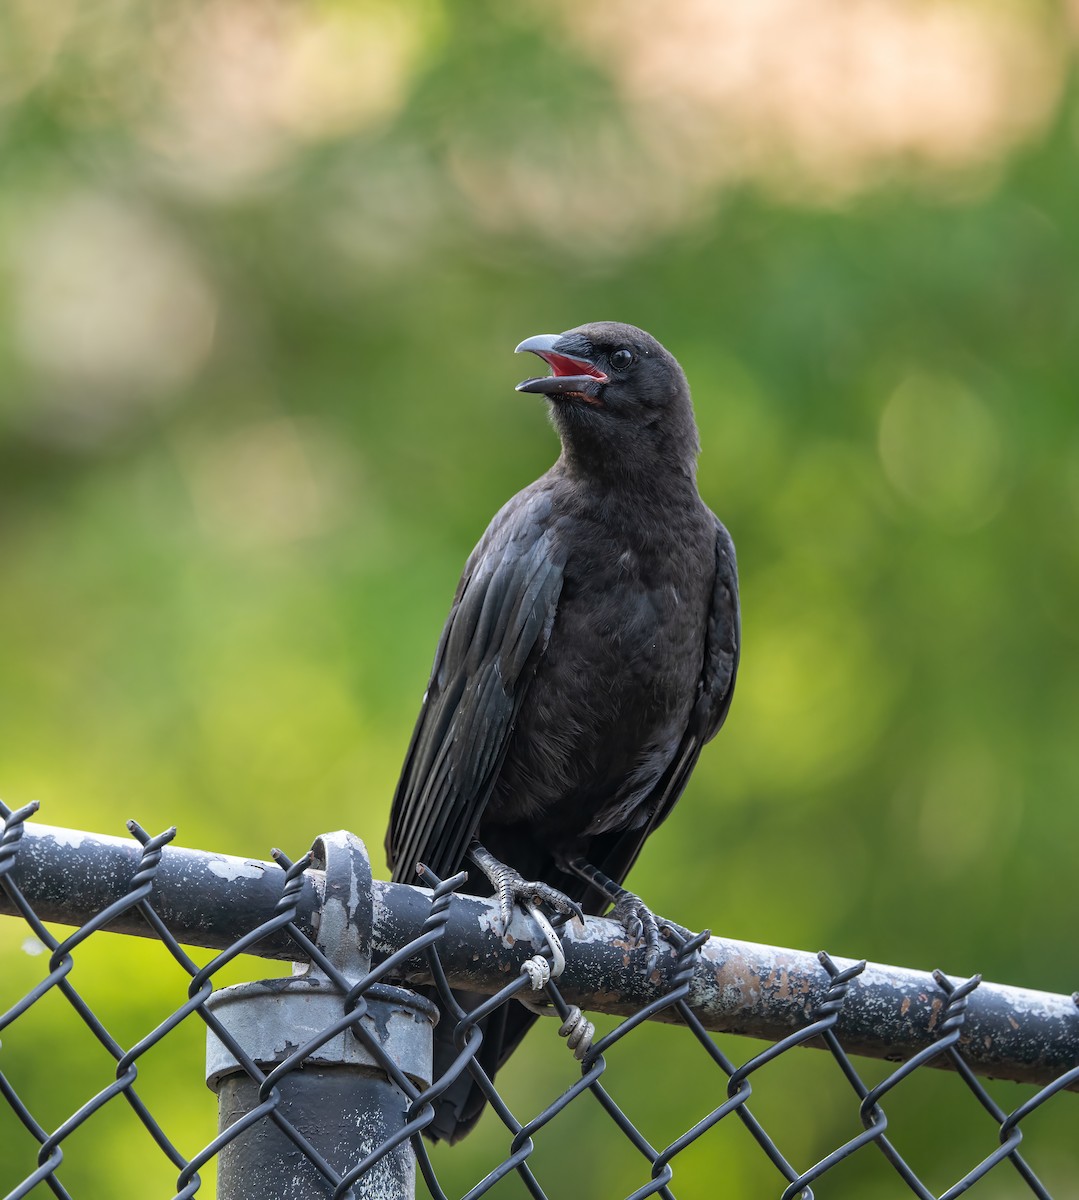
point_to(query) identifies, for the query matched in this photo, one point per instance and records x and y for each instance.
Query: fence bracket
(344, 1104)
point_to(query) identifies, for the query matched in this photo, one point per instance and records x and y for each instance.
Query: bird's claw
(531, 894)
(640, 924)
(514, 889)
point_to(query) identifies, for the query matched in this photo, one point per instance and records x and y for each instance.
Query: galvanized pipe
(343, 1104)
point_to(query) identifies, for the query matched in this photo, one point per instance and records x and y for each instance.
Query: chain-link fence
(324, 1079)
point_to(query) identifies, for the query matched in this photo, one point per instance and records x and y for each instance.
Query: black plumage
(589, 654)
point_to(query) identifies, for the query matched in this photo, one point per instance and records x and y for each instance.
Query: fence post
(339, 1102)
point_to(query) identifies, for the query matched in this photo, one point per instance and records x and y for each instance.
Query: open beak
(572, 374)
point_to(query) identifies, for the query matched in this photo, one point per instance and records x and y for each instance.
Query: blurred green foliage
(261, 273)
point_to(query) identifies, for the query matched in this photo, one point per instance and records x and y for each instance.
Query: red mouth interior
(561, 365)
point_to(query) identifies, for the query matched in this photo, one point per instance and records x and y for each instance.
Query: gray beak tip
(538, 344)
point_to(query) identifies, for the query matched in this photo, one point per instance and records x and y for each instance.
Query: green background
(262, 269)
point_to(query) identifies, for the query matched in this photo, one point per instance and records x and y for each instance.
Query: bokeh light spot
(940, 447)
(111, 312)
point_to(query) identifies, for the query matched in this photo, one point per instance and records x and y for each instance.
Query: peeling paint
(72, 838)
(234, 868)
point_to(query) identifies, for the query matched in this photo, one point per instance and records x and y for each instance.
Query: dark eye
(621, 359)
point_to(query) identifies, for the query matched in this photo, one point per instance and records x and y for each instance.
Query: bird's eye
(621, 359)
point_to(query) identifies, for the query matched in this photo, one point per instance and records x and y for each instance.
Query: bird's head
(619, 400)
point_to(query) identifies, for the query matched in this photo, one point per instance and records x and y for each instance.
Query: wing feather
(496, 632)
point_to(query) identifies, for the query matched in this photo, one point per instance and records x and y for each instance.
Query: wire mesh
(43, 1142)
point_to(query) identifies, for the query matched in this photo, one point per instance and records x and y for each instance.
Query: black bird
(589, 654)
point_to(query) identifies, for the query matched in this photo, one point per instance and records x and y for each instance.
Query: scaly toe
(555, 900)
(640, 925)
(652, 942)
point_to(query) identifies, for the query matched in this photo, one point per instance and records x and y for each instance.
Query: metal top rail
(212, 900)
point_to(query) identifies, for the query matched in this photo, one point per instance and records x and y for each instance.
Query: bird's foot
(636, 918)
(640, 924)
(512, 888)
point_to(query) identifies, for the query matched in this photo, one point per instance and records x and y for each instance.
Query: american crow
(589, 654)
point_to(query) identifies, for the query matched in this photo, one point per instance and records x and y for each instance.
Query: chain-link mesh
(282, 915)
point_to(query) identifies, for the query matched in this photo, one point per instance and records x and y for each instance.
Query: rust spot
(785, 985)
(935, 1011)
(777, 982)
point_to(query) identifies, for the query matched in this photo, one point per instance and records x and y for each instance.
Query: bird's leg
(512, 887)
(637, 919)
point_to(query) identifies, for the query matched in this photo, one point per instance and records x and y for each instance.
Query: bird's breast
(613, 692)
